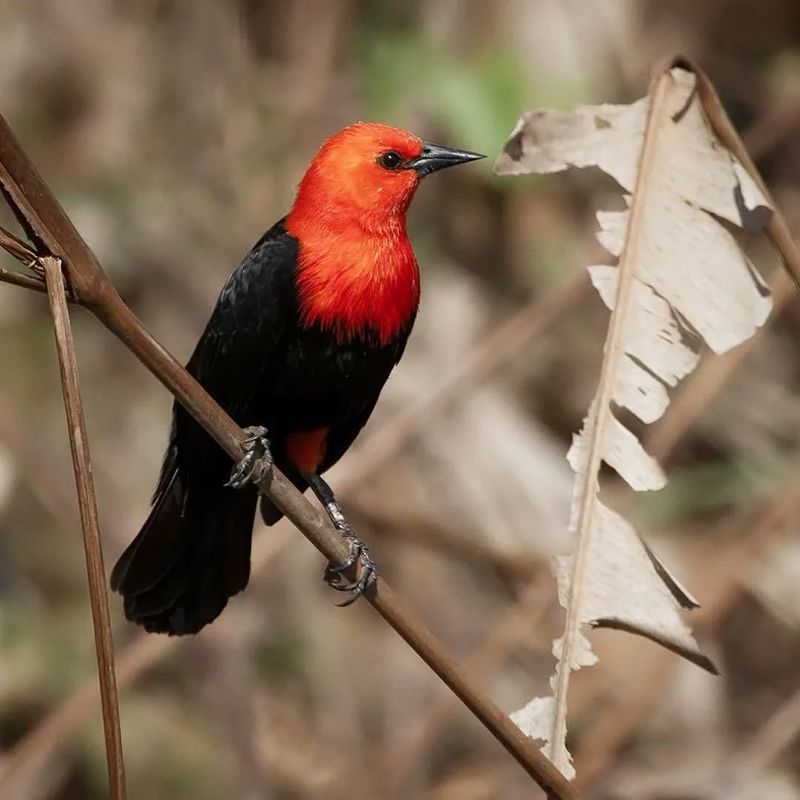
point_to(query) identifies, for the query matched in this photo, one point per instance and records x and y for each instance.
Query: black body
(264, 368)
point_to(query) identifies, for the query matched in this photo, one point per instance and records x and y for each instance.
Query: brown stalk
(87, 505)
(141, 654)
(777, 229)
(51, 230)
(14, 245)
(19, 279)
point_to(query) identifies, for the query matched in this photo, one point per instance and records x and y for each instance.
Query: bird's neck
(355, 279)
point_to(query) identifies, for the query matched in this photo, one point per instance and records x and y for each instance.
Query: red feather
(357, 271)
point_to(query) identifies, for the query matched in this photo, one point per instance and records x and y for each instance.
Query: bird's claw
(359, 553)
(256, 464)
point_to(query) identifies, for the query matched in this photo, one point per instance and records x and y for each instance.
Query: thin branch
(26, 255)
(16, 247)
(87, 504)
(777, 229)
(33, 752)
(18, 279)
(48, 223)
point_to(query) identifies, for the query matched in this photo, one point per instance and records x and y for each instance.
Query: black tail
(191, 555)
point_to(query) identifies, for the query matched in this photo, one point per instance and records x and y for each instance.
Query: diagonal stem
(777, 228)
(20, 279)
(87, 504)
(48, 225)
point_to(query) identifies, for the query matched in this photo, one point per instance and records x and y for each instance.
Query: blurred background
(174, 133)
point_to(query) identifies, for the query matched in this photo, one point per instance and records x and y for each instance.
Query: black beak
(435, 157)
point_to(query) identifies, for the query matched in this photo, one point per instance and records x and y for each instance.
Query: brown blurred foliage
(174, 133)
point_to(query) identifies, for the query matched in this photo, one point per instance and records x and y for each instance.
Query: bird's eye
(391, 160)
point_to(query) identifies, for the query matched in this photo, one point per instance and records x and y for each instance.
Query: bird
(304, 334)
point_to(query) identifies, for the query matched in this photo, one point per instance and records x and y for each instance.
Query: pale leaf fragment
(653, 337)
(623, 452)
(606, 136)
(625, 590)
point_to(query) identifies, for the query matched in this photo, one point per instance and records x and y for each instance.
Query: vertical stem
(81, 463)
(598, 417)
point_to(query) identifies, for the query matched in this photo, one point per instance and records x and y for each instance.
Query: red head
(357, 270)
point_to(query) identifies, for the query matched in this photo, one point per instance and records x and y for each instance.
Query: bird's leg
(256, 464)
(359, 552)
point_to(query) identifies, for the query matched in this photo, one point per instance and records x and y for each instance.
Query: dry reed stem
(588, 476)
(19, 249)
(19, 279)
(777, 228)
(87, 505)
(39, 745)
(47, 225)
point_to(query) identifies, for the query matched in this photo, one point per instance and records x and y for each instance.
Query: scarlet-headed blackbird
(302, 339)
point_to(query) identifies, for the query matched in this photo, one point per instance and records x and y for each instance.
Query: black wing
(255, 306)
(250, 316)
(193, 551)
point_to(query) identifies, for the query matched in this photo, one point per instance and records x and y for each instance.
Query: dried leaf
(681, 279)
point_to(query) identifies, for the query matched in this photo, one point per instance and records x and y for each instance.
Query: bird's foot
(359, 553)
(256, 464)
